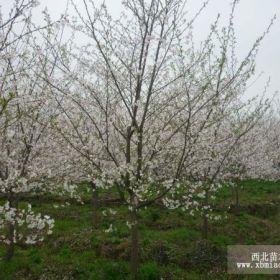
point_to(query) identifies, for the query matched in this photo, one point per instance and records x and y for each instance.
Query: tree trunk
(95, 206)
(233, 194)
(236, 196)
(205, 226)
(134, 245)
(121, 192)
(205, 218)
(40, 200)
(11, 246)
(11, 231)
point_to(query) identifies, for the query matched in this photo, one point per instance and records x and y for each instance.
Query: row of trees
(136, 107)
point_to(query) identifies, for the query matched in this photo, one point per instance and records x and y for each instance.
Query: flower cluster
(29, 227)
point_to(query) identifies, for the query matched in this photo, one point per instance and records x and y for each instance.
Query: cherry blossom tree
(24, 129)
(214, 160)
(259, 152)
(130, 100)
(139, 103)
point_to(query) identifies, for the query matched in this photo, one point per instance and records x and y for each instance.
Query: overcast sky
(252, 17)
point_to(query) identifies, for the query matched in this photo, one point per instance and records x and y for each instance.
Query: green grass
(171, 243)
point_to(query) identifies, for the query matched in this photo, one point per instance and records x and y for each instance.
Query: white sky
(251, 19)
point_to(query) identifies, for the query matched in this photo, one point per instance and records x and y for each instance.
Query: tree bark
(121, 192)
(205, 226)
(11, 246)
(134, 245)
(205, 217)
(95, 205)
(236, 197)
(11, 231)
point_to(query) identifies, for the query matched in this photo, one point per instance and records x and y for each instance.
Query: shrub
(149, 271)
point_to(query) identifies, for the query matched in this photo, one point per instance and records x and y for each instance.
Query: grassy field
(171, 243)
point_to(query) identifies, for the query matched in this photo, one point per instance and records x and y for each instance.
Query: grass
(171, 243)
